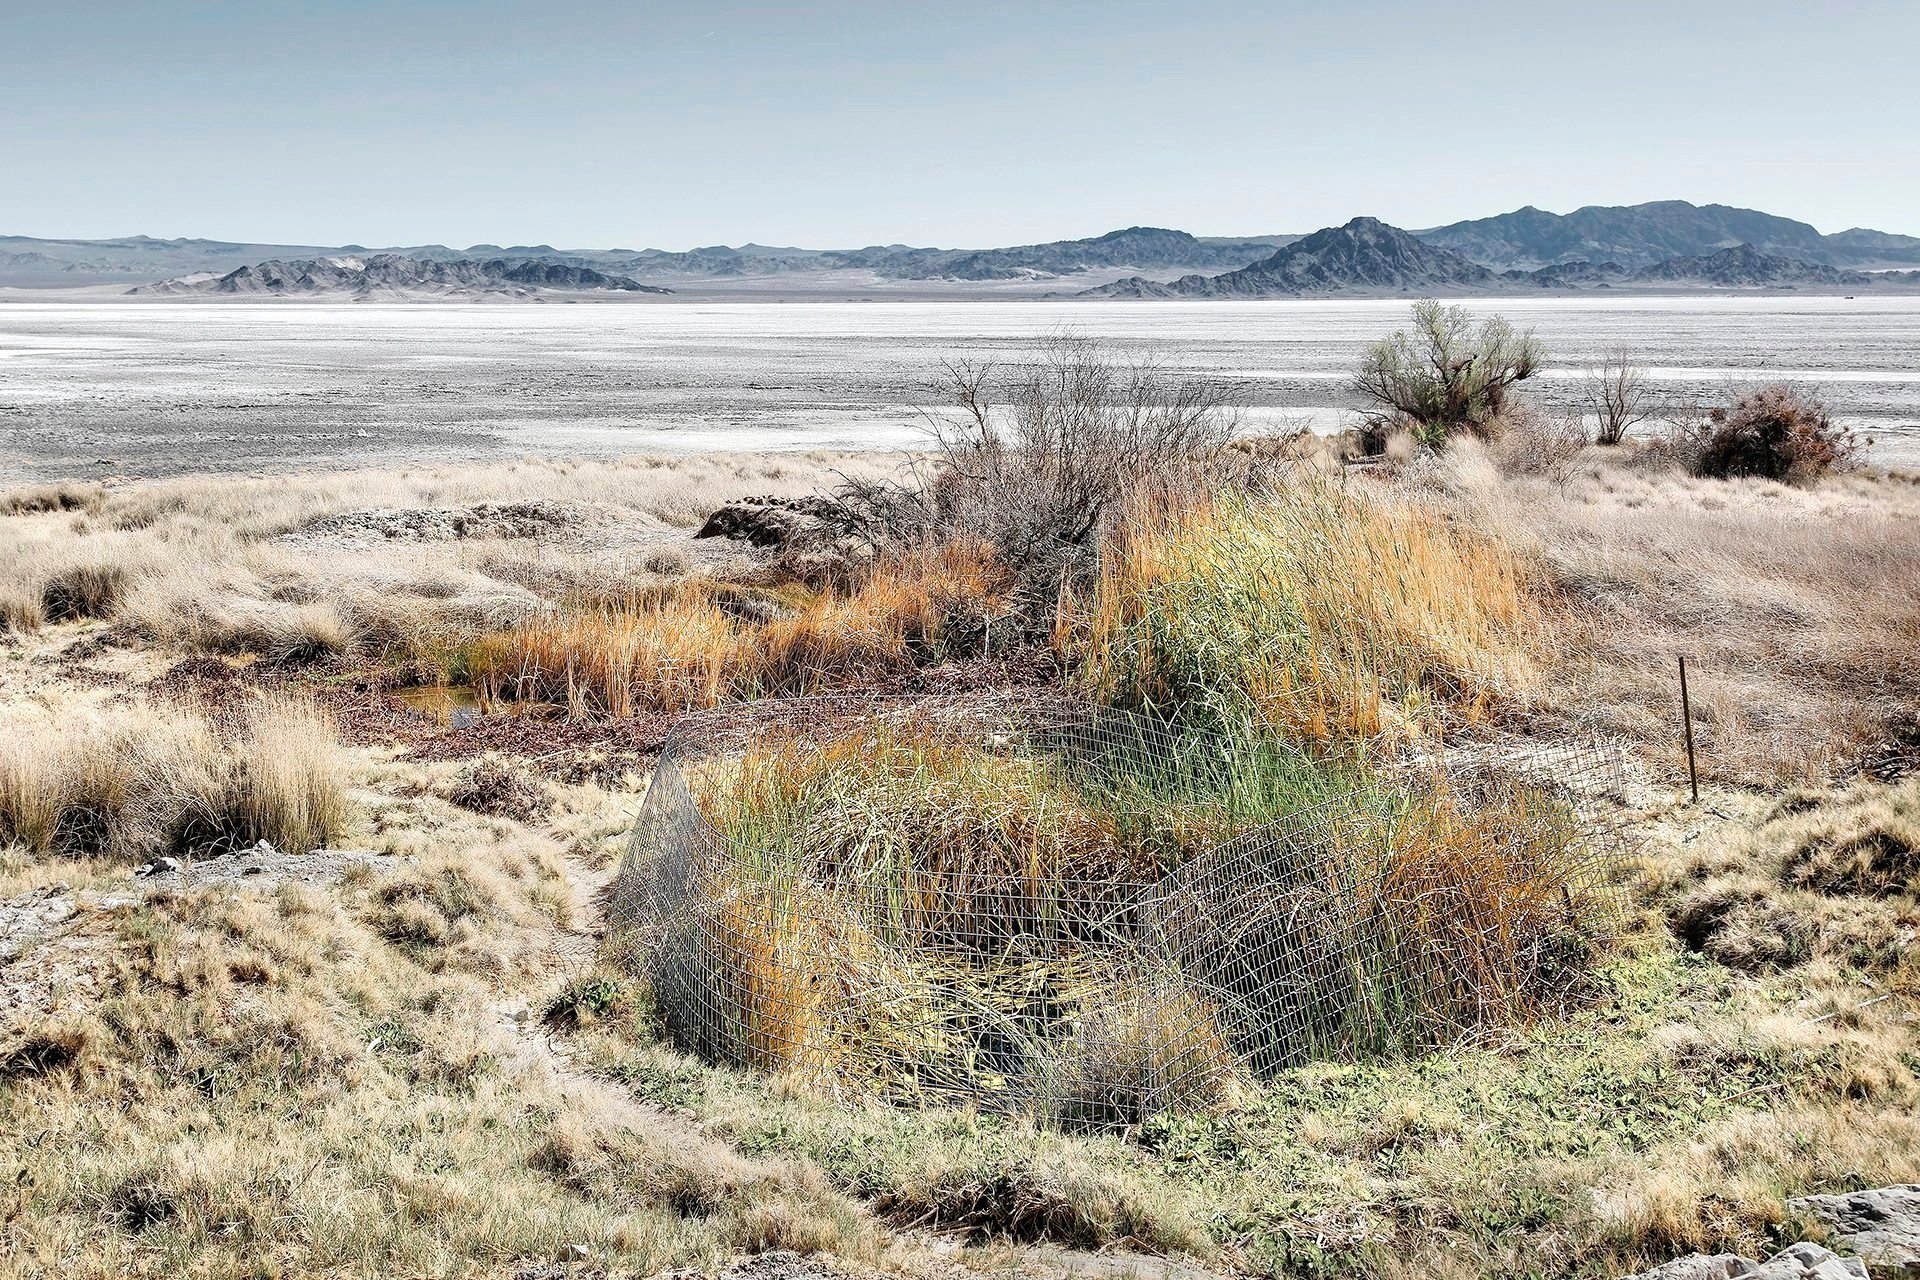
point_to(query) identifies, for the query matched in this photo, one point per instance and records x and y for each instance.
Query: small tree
(1618, 395)
(1446, 374)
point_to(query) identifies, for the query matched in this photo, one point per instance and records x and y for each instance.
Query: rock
(1882, 1225)
(1804, 1261)
(1702, 1266)
(775, 522)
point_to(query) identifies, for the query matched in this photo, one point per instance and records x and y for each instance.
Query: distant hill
(1745, 267)
(1642, 235)
(388, 273)
(1365, 255)
(1570, 275)
(1148, 248)
(1528, 248)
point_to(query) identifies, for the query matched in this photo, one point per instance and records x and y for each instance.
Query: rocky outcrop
(770, 522)
(1882, 1226)
(1364, 256)
(1797, 1262)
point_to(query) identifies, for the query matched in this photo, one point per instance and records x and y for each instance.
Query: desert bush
(1039, 462)
(1780, 432)
(1528, 441)
(136, 783)
(1444, 376)
(1314, 612)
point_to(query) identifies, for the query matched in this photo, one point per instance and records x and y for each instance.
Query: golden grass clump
(1488, 909)
(694, 643)
(669, 652)
(1320, 613)
(135, 783)
(1139, 1047)
(808, 991)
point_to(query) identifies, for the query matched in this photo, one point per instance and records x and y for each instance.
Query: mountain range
(1366, 253)
(389, 274)
(1678, 243)
(1641, 235)
(1368, 256)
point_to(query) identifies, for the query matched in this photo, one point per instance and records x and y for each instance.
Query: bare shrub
(1678, 440)
(1531, 442)
(1780, 432)
(1618, 395)
(1445, 376)
(1039, 462)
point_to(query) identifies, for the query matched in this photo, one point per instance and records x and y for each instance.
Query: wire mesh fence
(1044, 905)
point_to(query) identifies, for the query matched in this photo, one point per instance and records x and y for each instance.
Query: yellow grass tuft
(138, 782)
(1323, 614)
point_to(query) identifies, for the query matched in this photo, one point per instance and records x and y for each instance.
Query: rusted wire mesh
(1045, 905)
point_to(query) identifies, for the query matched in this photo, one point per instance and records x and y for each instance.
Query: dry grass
(1798, 610)
(64, 495)
(229, 565)
(695, 643)
(1322, 614)
(264, 1083)
(133, 783)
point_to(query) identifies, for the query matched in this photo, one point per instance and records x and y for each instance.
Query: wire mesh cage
(1045, 905)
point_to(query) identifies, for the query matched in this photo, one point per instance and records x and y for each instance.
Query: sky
(590, 123)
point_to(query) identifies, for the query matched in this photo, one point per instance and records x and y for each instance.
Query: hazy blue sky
(584, 123)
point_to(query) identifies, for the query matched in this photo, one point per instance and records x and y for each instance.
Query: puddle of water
(460, 706)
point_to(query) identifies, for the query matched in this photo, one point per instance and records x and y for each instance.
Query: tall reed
(1321, 614)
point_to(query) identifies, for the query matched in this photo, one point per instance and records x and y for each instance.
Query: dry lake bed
(153, 388)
